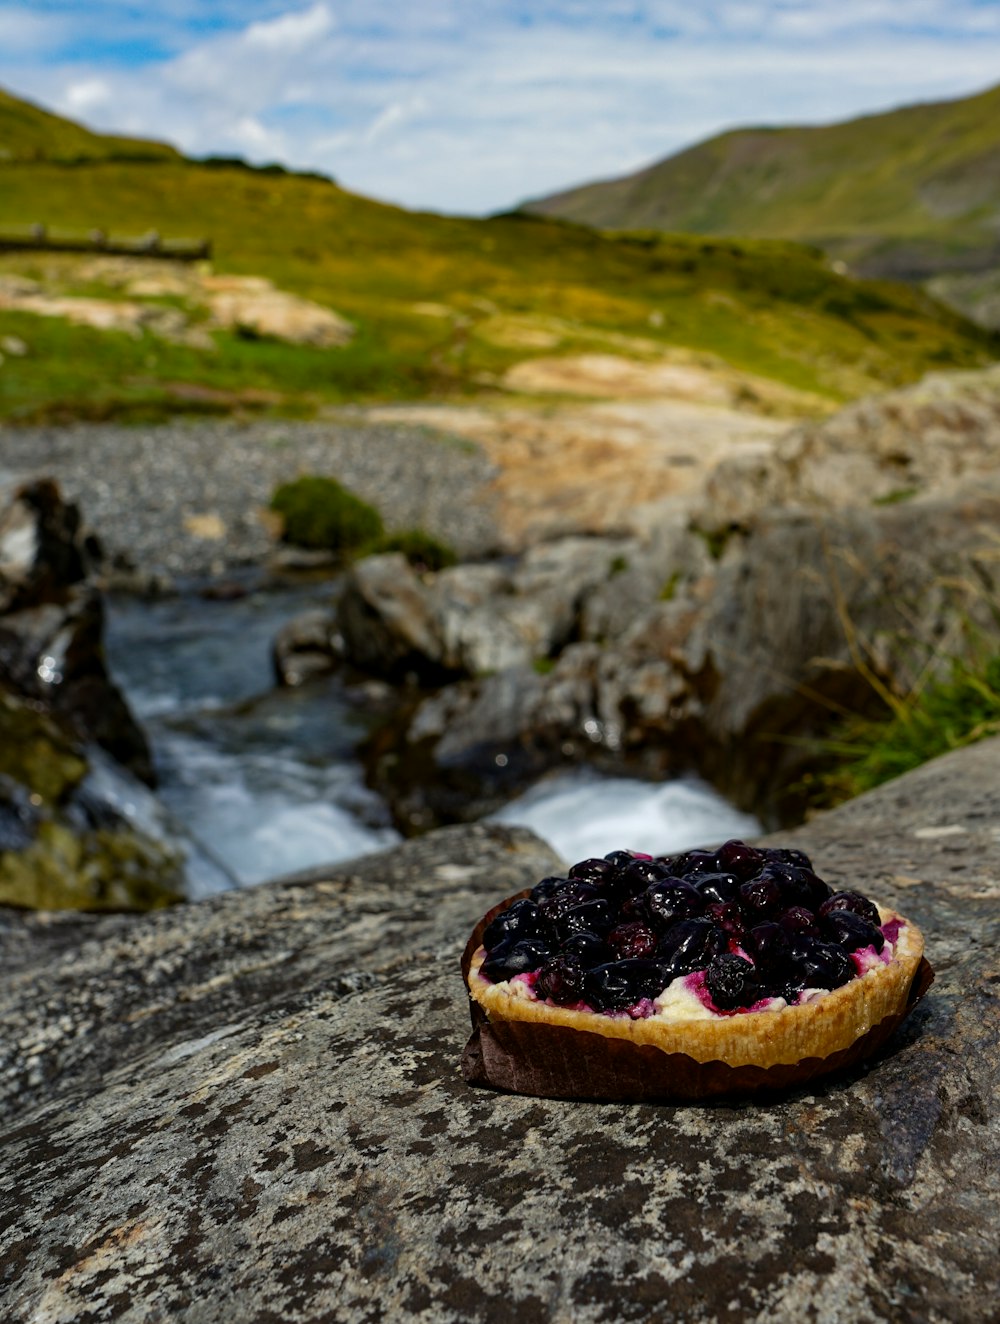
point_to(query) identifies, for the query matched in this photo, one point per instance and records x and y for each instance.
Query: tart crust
(820, 1029)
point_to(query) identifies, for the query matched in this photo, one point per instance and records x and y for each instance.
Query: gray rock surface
(251, 1110)
(935, 437)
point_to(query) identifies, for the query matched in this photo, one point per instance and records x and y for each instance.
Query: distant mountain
(28, 133)
(907, 194)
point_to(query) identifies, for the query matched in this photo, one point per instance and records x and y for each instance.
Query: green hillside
(909, 193)
(442, 307)
(28, 133)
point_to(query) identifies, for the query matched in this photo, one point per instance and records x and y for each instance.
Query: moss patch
(319, 513)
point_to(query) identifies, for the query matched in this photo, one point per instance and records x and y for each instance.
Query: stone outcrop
(251, 1109)
(76, 830)
(77, 827)
(935, 438)
(475, 619)
(730, 670)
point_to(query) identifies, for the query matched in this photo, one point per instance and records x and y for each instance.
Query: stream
(265, 778)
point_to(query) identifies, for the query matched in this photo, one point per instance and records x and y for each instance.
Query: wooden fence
(39, 238)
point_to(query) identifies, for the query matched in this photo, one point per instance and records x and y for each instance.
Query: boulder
(76, 830)
(475, 619)
(386, 619)
(52, 623)
(251, 1109)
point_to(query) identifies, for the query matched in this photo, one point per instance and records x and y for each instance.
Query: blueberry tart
(685, 977)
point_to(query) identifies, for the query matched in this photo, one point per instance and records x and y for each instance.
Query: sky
(472, 106)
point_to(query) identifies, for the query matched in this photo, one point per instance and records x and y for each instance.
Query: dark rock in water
(52, 623)
(64, 841)
(70, 835)
(251, 1109)
(308, 645)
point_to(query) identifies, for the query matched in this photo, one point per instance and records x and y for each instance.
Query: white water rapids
(267, 781)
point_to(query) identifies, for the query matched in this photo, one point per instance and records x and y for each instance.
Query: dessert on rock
(701, 974)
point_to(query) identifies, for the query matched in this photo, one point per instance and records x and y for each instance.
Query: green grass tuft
(948, 714)
(319, 513)
(420, 548)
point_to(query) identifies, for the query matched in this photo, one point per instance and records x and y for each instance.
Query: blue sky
(473, 105)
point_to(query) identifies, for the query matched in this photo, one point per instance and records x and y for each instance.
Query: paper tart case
(530, 1047)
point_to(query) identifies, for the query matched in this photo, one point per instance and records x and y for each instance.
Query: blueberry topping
(640, 874)
(667, 902)
(782, 856)
(820, 964)
(799, 887)
(850, 931)
(717, 886)
(521, 920)
(854, 902)
(759, 897)
(617, 930)
(548, 887)
(731, 982)
(621, 859)
(573, 894)
(697, 861)
(797, 919)
(515, 958)
(561, 979)
(592, 871)
(689, 945)
(632, 939)
(587, 948)
(768, 944)
(591, 917)
(736, 857)
(621, 984)
(728, 916)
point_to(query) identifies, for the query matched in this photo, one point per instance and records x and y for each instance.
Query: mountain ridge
(908, 193)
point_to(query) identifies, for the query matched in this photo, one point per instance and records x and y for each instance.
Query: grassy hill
(28, 133)
(910, 193)
(442, 306)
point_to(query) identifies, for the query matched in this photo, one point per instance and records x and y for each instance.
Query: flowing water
(265, 778)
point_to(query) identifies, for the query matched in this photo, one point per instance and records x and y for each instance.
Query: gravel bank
(185, 498)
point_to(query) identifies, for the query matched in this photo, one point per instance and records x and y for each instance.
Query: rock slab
(251, 1110)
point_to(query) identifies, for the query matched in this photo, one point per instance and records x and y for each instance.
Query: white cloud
(88, 95)
(429, 106)
(290, 32)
